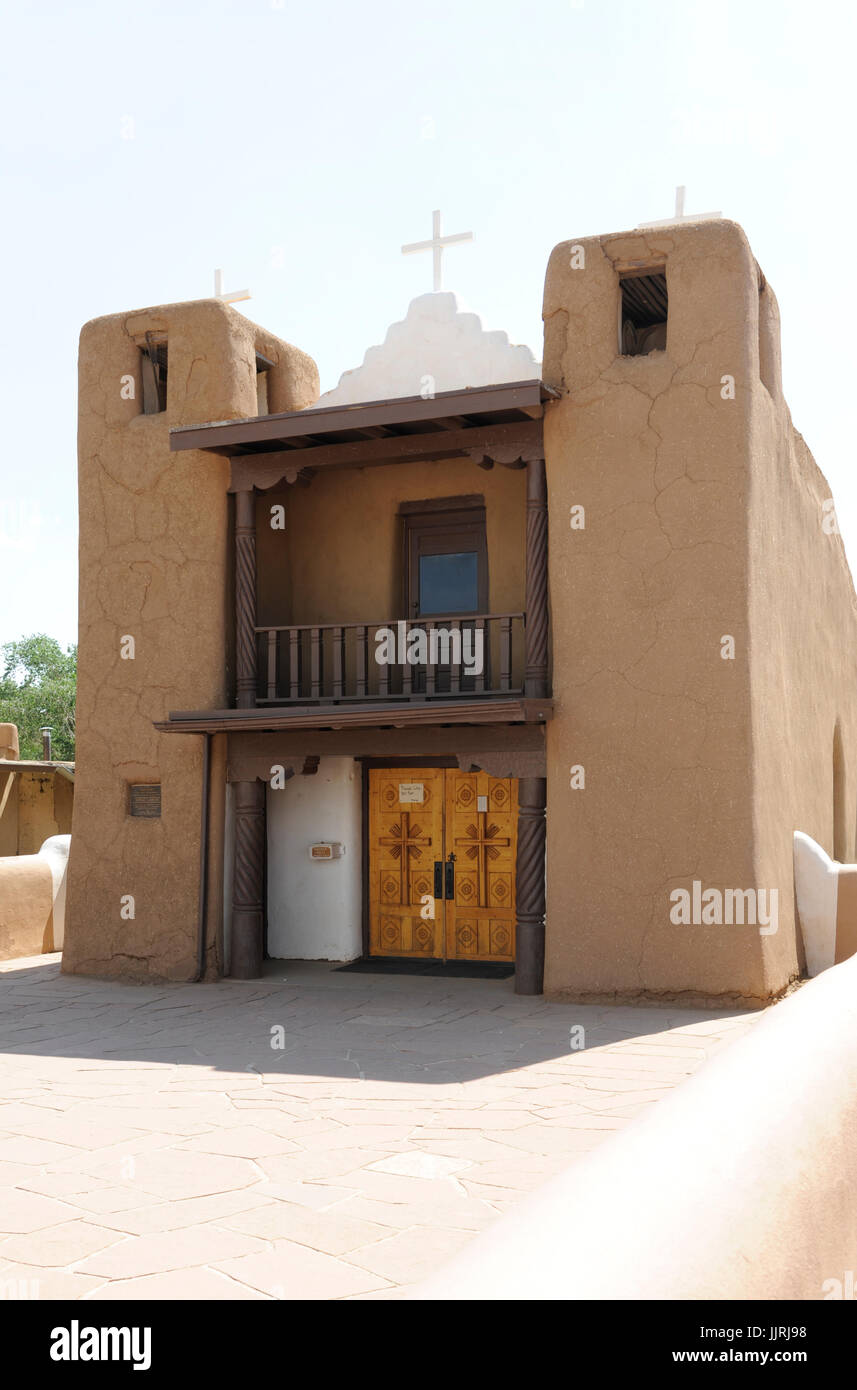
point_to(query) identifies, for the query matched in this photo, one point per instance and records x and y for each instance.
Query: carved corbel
(512, 456)
(266, 471)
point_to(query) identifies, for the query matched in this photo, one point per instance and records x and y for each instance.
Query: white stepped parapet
(438, 346)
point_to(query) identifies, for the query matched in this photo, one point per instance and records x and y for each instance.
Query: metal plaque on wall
(145, 799)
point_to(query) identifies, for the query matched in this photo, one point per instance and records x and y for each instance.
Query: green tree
(37, 686)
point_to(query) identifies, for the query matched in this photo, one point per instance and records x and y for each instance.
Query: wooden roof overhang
(36, 765)
(418, 713)
(501, 424)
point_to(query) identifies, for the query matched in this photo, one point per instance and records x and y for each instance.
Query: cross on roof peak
(230, 296)
(680, 215)
(436, 245)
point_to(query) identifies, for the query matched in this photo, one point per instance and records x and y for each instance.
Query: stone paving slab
(311, 1135)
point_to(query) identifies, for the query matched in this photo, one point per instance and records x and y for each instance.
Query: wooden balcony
(327, 676)
(474, 657)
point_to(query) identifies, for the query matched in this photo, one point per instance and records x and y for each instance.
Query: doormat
(450, 970)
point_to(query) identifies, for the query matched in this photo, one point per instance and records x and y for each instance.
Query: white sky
(298, 146)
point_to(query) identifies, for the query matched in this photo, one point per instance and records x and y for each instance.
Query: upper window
(446, 558)
(643, 313)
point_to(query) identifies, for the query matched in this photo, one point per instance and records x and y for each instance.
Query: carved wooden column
(245, 598)
(248, 881)
(536, 631)
(530, 886)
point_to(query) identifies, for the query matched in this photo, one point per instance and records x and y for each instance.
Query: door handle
(438, 878)
(450, 877)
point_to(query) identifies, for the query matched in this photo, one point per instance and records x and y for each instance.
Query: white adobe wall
(314, 907)
(56, 851)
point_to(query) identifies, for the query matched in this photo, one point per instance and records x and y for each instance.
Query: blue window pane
(449, 583)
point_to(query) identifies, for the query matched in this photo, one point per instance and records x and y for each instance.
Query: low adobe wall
(26, 906)
(740, 1184)
(32, 900)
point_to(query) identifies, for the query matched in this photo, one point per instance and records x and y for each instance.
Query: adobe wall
(641, 600)
(154, 565)
(34, 805)
(9, 749)
(45, 801)
(8, 811)
(803, 654)
(26, 906)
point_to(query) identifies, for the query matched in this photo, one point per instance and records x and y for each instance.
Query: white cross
(436, 246)
(680, 215)
(230, 298)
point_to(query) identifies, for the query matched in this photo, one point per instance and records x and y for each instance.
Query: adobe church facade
(471, 659)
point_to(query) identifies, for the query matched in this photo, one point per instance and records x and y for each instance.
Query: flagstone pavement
(311, 1135)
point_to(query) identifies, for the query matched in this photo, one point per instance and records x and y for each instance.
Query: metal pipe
(203, 861)
(46, 732)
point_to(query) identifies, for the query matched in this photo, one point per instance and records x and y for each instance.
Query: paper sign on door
(411, 792)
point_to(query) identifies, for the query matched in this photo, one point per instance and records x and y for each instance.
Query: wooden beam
(223, 436)
(265, 470)
(251, 755)
(398, 714)
(442, 504)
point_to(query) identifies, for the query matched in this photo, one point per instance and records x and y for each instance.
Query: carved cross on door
(482, 842)
(405, 840)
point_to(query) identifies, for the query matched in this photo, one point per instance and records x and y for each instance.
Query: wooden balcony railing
(326, 663)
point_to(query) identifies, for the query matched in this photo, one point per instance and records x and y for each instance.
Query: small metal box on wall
(327, 849)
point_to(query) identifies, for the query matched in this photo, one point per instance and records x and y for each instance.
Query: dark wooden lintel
(442, 504)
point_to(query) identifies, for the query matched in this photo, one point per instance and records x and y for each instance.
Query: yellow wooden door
(462, 823)
(480, 830)
(405, 841)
